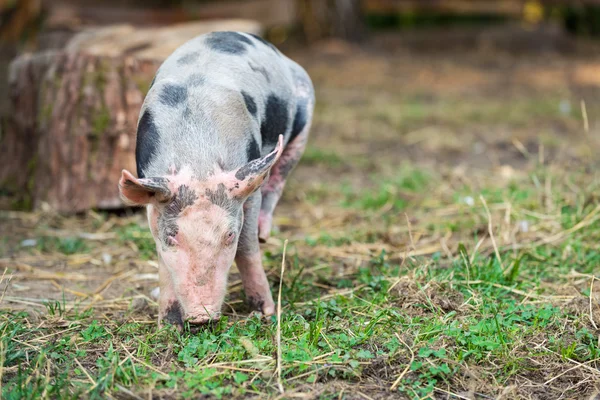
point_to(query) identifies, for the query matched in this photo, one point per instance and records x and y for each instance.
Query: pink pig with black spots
(224, 122)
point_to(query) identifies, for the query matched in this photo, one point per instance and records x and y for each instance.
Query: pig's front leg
(169, 308)
(249, 260)
(272, 189)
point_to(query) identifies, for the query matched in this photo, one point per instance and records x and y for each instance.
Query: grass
(406, 113)
(455, 321)
(316, 156)
(393, 286)
(392, 191)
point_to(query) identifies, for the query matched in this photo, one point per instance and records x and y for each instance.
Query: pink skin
(197, 244)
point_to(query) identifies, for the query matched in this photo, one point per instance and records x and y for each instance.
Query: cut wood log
(73, 114)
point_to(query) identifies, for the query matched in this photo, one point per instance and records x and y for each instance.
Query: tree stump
(73, 114)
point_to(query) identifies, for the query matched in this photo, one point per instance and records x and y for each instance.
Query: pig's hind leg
(249, 261)
(273, 188)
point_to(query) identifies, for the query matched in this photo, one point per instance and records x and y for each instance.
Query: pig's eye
(162, 200)
(229, 237)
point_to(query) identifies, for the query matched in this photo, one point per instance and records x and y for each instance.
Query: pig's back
(223, 96)
(233, 60)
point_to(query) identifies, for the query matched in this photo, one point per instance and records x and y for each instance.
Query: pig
(225, 120)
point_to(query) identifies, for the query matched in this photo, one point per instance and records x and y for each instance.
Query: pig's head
(196, 225)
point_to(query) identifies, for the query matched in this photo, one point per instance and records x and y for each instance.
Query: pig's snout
(202, 319)
(175, 314)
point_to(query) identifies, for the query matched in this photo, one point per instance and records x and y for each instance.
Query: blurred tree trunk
(332, 18)
(72, 128)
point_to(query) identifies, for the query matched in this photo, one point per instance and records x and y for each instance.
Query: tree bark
(73, 116)
(72, 128)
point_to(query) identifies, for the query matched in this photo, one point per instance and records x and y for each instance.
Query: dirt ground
(473, 114)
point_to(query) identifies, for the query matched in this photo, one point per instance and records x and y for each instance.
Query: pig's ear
(249, 177)
(141, 191)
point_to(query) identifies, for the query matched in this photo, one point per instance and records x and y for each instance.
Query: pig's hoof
(264, 227)
(268, 309)
(264, 307)
(263, 235)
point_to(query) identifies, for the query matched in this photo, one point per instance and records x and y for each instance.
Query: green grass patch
(387, 192)
(436, 323)
(140, 237)
(64, 245)
(316, 156)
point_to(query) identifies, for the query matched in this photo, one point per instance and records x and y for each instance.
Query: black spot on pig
(185, 197)
(188, 58)
(252, 149)
(228, 42)
(172, 95)
(250, 103)
(260, 70)
(220, 198)
(167, 222)
(299, 119)
(174, 315)
(146, 142)
(187, 113)
(169, 229)
(275, 121)
(263, 41)
(156, 184)
(217, 197)
(255, 167)
(195, 80)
